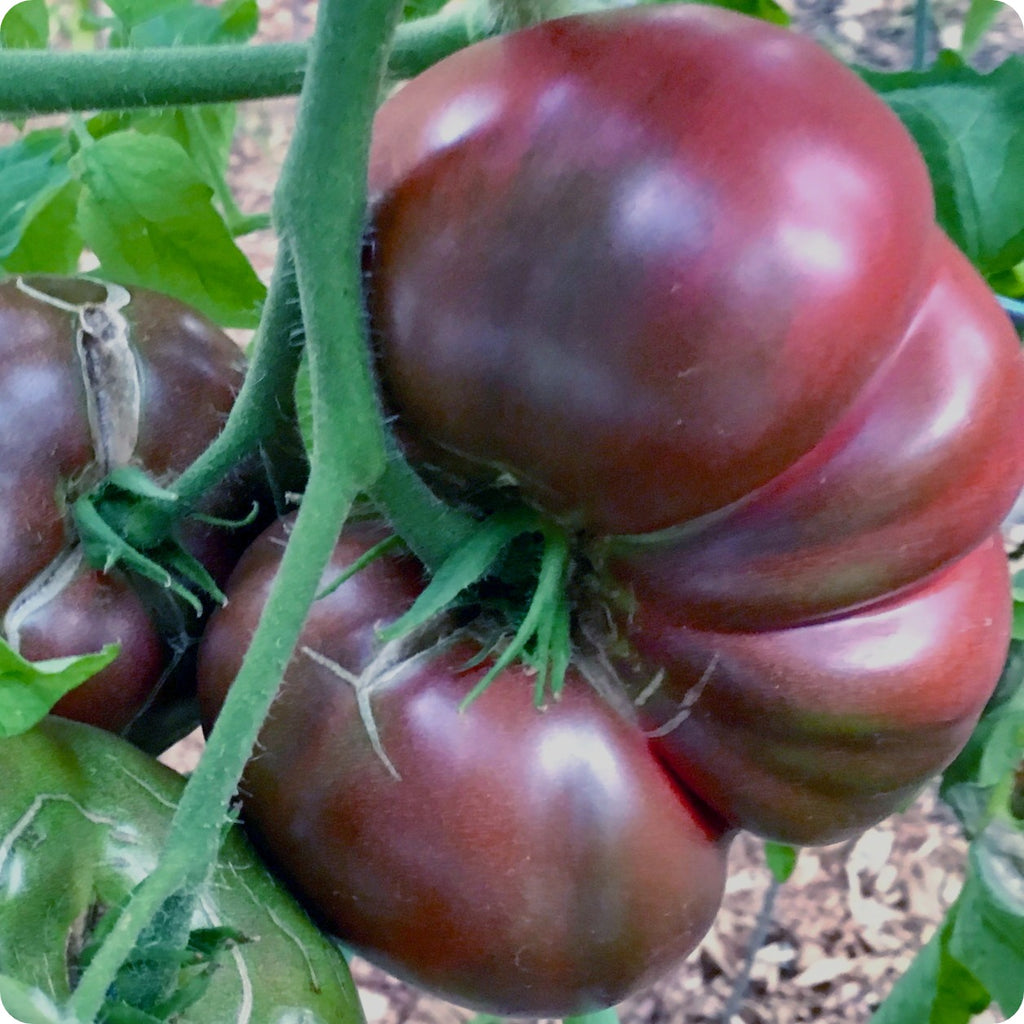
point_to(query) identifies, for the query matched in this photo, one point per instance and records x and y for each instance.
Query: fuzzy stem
(321, 199)
(49, 82)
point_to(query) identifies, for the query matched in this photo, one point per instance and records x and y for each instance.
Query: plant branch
(321, 199)
(48, 82)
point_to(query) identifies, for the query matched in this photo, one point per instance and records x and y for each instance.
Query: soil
(851, 918)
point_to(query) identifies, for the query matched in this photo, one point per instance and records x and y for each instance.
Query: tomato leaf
(936, 988)
(26, 26)
(28, 690)
(984, 770)
(50, 243)
(979, 16)
(28, 1004)
(969, 129)
(988, 933)
(781, 859)
(468, 564)
(147, 214)
(766, 10)
(32, 171)
(186, 24)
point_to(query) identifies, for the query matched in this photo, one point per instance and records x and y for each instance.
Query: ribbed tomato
(520, 861)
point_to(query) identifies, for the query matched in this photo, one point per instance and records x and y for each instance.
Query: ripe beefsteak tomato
(521, 862)
(672, 275)
(96, 377)
(639, 262)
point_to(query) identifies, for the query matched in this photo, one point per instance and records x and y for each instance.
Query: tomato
(89, 811)
(640, 262)
(521, 862)
(813, 733)
(672, 275)
(95, 377)
(920, 470)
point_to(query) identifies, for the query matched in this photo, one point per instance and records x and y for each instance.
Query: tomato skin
(921, 469)
(85, 817)
(526, 863)
(811, 734)
(660, 250)
(189, 372)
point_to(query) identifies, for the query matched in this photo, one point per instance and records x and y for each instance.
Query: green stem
(260, 411)
(329, 149)
(47, 82)
(922, 25)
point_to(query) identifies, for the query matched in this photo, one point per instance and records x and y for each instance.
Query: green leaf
(766, 10)
(51, 242)
(134, 12)
(26, 26)
(413, 9)
(1017, 629)
(32, 171)
(147, 214)
(977, 20)
(936, 988)
(781, 859)
(28, 690)
(969, 129)
(609, 1016)
(28, 1004)
(186, 24)
(468, 564)
(988, 934)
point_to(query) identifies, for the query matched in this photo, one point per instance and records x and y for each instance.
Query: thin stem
(922, 26)
(257, 413)
(48, 82)
(757, 940)
(346, 60)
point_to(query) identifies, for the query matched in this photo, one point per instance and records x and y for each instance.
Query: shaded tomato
(639, 262)
(95, 377)
(84, 818)
(522, 862)
(813, 733)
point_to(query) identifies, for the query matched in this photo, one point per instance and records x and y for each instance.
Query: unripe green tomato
(83, 819)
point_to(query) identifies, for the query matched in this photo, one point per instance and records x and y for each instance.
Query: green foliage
(28, 690)
(970, 131)
(148, 215)
(781, 859)
(26, 26)
(33, 171)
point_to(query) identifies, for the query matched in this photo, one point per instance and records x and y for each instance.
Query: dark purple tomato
(921, 469)
(519, 861)
(813, 733)
(639, 263)
(94, 377)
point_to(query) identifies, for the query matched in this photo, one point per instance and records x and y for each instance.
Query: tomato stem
(321, 199)
(47, 82)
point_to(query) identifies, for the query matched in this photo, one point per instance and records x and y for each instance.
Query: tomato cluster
(671, 276)
(96, 378)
